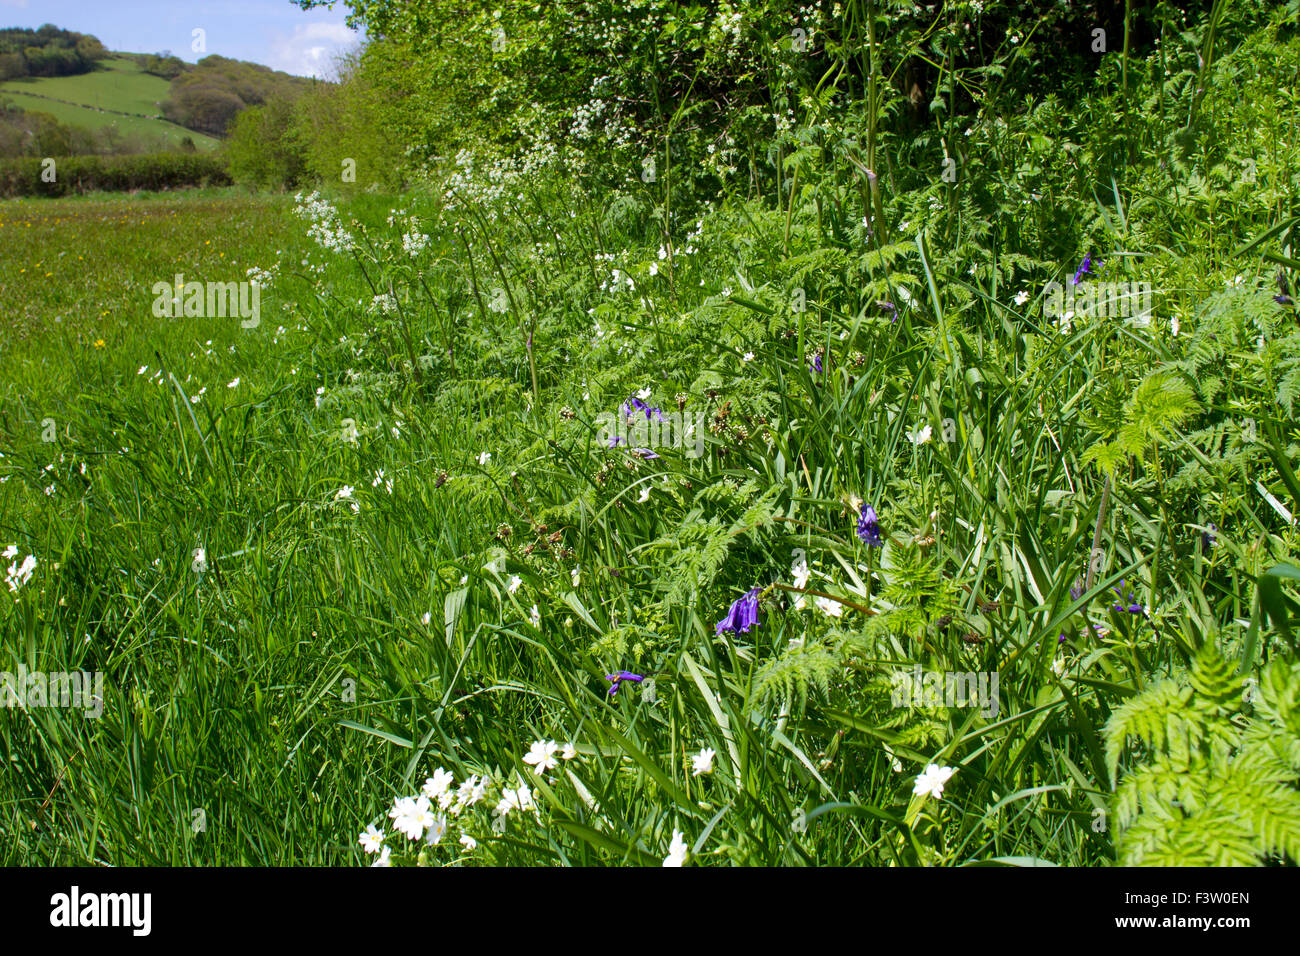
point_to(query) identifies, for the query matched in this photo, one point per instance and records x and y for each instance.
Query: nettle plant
(1212, 768)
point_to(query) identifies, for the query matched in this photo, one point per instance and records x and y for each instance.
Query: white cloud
(311, 49)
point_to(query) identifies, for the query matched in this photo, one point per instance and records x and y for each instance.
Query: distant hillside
(114, 106)
(62, 93)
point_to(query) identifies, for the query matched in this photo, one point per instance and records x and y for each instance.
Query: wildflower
(676, 850)
(615, 679)
(829, 608)
(575, 576)
(515, 581)
(816, 364)
(645, 495)
(1207, 538)
(535, 616)
(411, 816)
(743, 613)
(439, 784)
(1021, 297)
(1084, 266)
(931, 781)
(371, 840)
(920, 437)
(569, 752)
(385, 858)
(702, 762)
(542, 755)
(869, 527)
(20, 574)
(426, 619)
(1133, 607)
(468, 842)
(436, 831)
(11, 551)
(747, 357)
(233, 384)
(484, 458)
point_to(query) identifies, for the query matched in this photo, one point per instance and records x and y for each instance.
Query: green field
(84, 99)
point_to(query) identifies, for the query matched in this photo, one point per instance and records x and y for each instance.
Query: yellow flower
(99, 343)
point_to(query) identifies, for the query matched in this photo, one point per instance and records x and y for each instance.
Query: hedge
(81, 174)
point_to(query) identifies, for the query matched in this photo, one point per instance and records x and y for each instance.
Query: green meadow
(563, 508)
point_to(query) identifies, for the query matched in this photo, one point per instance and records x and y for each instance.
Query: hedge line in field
(27, 176)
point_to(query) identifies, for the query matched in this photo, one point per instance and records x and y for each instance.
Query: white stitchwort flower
(702, 762)
(485, 457)
(542, 755)
(535, 616)
(468, 842)
(676, 850)
(439, 784)
(920, 436)
(515, 581)
(372, 840)
(569, 752)
(931, 780)
(830, 608)
(412, 816)
(1021, 297)
(575, 576)
(385, 858)
(20, 574)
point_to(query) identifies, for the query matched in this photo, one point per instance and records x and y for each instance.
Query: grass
(119, 86)
(381, 533)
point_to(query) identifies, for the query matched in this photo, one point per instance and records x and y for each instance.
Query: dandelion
(372, 840)
(676, 850)
(742, 614)
(542, 755)
(931, 781)
(616, 679)
(702, 762)
(869, 527)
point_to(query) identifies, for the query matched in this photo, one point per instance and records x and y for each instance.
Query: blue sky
(276, 33)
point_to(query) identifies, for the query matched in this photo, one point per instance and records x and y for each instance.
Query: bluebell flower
(743, 614)
(1133, 607)
(1084, 266)
(816, 365)
(869, 527)
(615, 679)
(1207, 538)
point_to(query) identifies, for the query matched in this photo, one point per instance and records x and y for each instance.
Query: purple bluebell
(1285, 297)
(869, 527)
(1133, 607)
(743, 613)
(1084, 266)
(616, 679)
(636, 404)
(1207, 538)
(816, 365)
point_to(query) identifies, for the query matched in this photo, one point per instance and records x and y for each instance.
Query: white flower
(830, 608)
(372, 840)
(468, 842)
(644, 394)
(18, 575)
(515, 581)
(676, 850)
(535, 616)
(426, 619)
(932, 779)
(575, 576)
(233, 384)
(747, 357)
(801, 573)
(569, 752)
(411, 816)
(702, 762)
(485, 457)
(436, 831)
(542, 755)
(645, 495)
(438, 784)
(12, 551)
(384, 858)
(1021, 297)
(919, 437)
